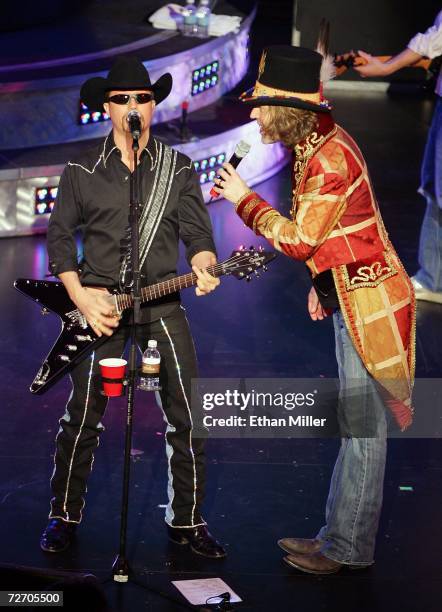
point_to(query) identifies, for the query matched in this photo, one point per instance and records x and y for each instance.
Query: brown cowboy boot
(317, 563)
(300, 546)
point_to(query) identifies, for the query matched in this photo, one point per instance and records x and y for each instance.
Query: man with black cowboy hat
(94, 194)
(335, 227)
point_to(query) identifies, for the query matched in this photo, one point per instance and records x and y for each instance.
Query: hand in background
(373, 67)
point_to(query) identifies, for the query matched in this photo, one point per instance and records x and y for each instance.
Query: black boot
(57, 536)
(200, 539)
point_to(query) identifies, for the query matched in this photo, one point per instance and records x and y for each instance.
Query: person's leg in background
(428, 279)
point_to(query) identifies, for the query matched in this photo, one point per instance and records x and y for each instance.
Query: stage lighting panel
(205, 78)
(208, 167)
(45, 200)
(86, 116)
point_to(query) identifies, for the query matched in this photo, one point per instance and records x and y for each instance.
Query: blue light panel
(205, 78)
(208, 167)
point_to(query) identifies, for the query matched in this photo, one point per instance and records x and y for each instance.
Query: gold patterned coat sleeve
(318, 209)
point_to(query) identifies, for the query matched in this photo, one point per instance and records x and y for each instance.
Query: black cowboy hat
(127, 73)
(288, 76)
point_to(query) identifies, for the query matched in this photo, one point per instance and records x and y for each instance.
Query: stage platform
(40, 98)
(43, 68)
(257, 490)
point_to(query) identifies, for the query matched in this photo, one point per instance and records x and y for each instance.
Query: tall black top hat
(127, 73)
(288, 76)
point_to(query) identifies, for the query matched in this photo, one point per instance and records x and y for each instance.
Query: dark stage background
(380, 27)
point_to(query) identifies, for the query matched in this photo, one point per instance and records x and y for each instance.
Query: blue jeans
(430, 243)
(355, 498)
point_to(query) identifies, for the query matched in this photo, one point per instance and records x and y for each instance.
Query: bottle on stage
(203, 14)
(189, 24)
(150, 368)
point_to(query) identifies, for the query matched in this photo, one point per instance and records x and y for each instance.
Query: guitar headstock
(243, 262)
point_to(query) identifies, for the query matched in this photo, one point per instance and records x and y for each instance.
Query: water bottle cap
(152, 344)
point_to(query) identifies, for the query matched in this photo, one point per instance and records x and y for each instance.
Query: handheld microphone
(134, 120)
(241, 150)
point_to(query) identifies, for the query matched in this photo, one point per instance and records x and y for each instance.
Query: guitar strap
(152, 212)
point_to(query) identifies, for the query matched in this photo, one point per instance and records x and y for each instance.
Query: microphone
(241, 150)
(134, 120)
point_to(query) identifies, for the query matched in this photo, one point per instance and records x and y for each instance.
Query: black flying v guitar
(77, 338)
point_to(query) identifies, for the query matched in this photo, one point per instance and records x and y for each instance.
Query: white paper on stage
(197, 592)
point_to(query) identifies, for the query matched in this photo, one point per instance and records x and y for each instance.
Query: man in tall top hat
(94, 194)
(335, 227)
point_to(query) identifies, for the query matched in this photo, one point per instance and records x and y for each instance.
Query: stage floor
(258, 490)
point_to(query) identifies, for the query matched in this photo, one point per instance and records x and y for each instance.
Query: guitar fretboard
(153, 292)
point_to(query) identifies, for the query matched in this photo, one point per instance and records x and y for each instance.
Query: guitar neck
(158, 290)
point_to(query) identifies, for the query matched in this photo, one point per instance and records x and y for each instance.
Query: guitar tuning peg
(260, 248)
(256, 273)
(251, 248)
(248, 279)
(264, 268)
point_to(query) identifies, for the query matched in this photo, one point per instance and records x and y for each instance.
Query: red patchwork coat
(336, 225)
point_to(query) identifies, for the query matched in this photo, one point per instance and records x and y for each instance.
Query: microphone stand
(121, 570)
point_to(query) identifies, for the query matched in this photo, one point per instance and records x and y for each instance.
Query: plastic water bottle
(189, 24)
(203, 18)
(150, 368)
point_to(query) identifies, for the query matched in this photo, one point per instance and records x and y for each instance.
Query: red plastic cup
(112, 373)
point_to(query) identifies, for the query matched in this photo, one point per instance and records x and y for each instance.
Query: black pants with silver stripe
(80, 426)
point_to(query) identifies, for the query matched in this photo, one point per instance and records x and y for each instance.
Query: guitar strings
(190, 277)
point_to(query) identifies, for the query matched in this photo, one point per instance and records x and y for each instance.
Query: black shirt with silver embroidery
(93, 196)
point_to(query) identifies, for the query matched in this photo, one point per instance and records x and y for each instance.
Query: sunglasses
(140, 98)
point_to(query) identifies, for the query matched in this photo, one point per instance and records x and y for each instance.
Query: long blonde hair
(289, 125)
